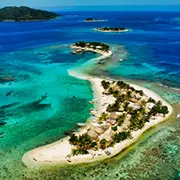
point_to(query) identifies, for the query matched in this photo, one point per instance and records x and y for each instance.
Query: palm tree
(164, 110)
(73, 139)
(105, 84)
(103, 117)
(129, 94)
(118, 137)
(120, 120)
(103, 143)
(84, 141)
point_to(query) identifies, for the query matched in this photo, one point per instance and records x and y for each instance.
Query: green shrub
(114, 128)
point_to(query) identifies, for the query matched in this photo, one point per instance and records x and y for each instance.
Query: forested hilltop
(24, 13)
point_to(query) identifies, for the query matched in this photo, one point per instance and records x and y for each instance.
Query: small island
(96, 47)
(122, 113)
(24, 13)
(94, 20)
(112, 29)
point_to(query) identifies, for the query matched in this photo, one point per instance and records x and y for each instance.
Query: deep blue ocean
(43, 101)
(152, 45)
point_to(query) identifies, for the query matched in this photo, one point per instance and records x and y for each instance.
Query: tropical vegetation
(131, 110)
(25, 13)
(82, 142)
(114, 29)
(92, 45)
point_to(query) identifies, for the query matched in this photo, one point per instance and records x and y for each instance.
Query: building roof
(113, 116)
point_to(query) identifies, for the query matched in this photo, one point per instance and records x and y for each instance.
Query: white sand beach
(60, 151)
(104, 54)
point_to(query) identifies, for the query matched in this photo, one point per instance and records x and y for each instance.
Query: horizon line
(95, 5)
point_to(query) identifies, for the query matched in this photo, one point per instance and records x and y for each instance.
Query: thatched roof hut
(95, 130)
(107, 135)
(93, 134)
(113, 116)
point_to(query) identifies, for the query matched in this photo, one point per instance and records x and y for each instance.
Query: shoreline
(33, 20)
(58, 152)
(104, 54)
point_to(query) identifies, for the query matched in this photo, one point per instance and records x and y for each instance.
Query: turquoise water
(43, 102)
(31, 123)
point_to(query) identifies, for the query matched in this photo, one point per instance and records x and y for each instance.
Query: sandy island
(111, 30)
(105, 54)
(60, 152)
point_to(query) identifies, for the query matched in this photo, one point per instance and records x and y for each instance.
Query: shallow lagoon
(38, 56)
(47, 100)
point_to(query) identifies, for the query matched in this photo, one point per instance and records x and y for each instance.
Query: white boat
(120, 60)
(93, 101)
(77, 51)
(93, 113)
(81, 124)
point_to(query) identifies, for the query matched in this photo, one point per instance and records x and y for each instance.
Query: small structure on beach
(113, 116)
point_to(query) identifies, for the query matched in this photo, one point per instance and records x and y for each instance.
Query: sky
(59, 3)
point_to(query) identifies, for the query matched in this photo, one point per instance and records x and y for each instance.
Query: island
(111, 29)
(23, 13)
(96, 47)
(94, 20)
(122, 113)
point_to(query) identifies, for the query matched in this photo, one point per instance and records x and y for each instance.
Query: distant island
(112, 29)
(94, 20)
(97, 47)
(24, 13)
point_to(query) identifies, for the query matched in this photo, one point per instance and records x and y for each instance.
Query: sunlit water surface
(44, 102)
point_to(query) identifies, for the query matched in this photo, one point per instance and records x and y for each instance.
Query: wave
(72, 15)
(170, 21)
(176, 89)
(176, 19)
(160, 20)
